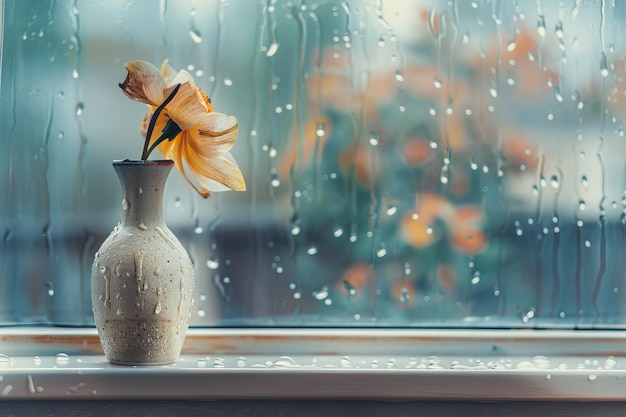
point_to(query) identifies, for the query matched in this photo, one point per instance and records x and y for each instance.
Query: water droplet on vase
(158, 307)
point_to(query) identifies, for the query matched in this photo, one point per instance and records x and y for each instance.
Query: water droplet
(541, 26)
(554, 181)
(50, 288)
(157, 308)
(201, 363)
(541, 361)
(592, 377)
(312, 250)
(5, 360)
(374, 138)
(604, 71)
(581, 205)
(213, 263)
(201, 312)
(320, 129)
(219, 363)
(557, 95)
(228, 82)
(75, 74)
(321, 294)
(285, 362)
(345, 362)
(37, 360)
(62, 359)
(119, 311)
(195, 35)
(297, 295)
(125, 204)
(79, 108)
(272, 50)
(511, 46)
(399, 77)
(338, 232)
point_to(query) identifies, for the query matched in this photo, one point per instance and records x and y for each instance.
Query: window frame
(326, 364)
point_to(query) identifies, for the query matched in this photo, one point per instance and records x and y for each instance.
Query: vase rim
(142, 162)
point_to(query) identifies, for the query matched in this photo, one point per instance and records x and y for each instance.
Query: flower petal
(222, 170)
(167, 71)
(187, 108)
(214, 135)
(182, 77)
(177, 153)
(144, 83)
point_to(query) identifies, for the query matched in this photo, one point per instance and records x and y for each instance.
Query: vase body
(142, 278)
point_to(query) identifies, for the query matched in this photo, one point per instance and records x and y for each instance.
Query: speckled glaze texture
(142, 278)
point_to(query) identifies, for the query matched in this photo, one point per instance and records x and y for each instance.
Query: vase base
(136, 363)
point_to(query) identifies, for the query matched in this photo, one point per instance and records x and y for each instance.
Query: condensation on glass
(444, 163)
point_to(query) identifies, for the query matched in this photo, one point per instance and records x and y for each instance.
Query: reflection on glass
(410, 164)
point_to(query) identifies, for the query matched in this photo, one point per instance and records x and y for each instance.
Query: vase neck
(142, 184)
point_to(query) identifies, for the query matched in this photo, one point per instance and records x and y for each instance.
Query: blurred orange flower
(463, 224)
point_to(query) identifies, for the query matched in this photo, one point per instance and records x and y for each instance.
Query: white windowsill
(305, 364)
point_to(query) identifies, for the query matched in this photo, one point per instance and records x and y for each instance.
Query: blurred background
(434, 163)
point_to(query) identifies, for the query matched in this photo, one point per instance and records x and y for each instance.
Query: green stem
(153, 119)
(169, 132)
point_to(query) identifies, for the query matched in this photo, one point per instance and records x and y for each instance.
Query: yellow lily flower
(192, 133)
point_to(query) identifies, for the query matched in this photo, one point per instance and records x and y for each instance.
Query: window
(452, 166)
(432, 164)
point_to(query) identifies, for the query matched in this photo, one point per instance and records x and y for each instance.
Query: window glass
(443, 163)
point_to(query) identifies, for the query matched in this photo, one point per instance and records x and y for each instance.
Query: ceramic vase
(142, 278)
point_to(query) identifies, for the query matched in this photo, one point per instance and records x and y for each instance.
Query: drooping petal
(187, 108)
(167, 71)
(144, 83)
(214, 135)
(181, 77)
(177, 155)
(214, 185)
(220, 169)
(143, 127)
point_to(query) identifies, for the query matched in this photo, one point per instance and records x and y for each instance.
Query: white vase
(142, 278)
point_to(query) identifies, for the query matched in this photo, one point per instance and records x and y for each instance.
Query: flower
(192, 133)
